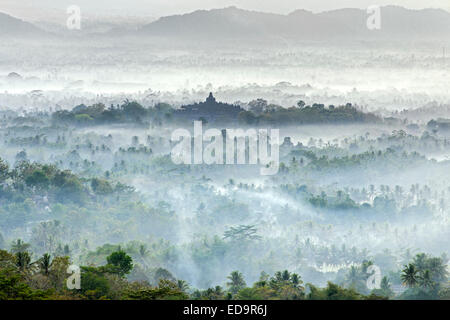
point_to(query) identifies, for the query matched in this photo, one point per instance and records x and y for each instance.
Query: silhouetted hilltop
(10, 26)
(209, 110)
(234, 23)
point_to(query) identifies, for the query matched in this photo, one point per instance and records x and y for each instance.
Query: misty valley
(372, 195)
(347, 197)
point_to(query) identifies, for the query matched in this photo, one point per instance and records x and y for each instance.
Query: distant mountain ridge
(397, 23)
(10, 26)
(234, 23)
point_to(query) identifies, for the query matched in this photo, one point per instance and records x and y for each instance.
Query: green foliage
(282, 286)
(385, 289)
(258, 293)
(444, 293)
(7, 260)
(23, 261)
(285, 285)
(4, 170)
(94, 284)
(69, 187)
(332, 292)
(46, 179)
(19, 279)
(45, 263)
(182, 285)
(166, 290)
(19, 246)
(133, 110)
(13, 287)
(162, 274)
(236, 282)
(38, 179)
(425, 277)
(317, 113)
(121, 262)
(101, 187)
(128, 111)
(216, 293)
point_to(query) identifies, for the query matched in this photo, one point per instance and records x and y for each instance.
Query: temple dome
(210, 98)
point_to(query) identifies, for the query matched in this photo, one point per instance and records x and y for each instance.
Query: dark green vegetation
(46, 278)
(259, 113)
(262, 113)
(128, 112)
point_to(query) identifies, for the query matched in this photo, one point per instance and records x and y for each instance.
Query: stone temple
(209, 110)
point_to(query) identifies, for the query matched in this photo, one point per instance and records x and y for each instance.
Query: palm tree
(425, 280)
(420, 261)
(409, 275)
(285, 276)
(182, 285)
(438, 269)
(45, 264)
(385, 287)
(236, 283)
(295, 279)
(353, 277)
(23, 261)
(19, 246)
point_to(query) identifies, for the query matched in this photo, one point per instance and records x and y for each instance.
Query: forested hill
(257, 113)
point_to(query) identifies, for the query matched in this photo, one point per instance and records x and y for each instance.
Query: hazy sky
(37, 9)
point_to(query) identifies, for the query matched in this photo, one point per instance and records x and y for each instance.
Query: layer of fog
(391, 77)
